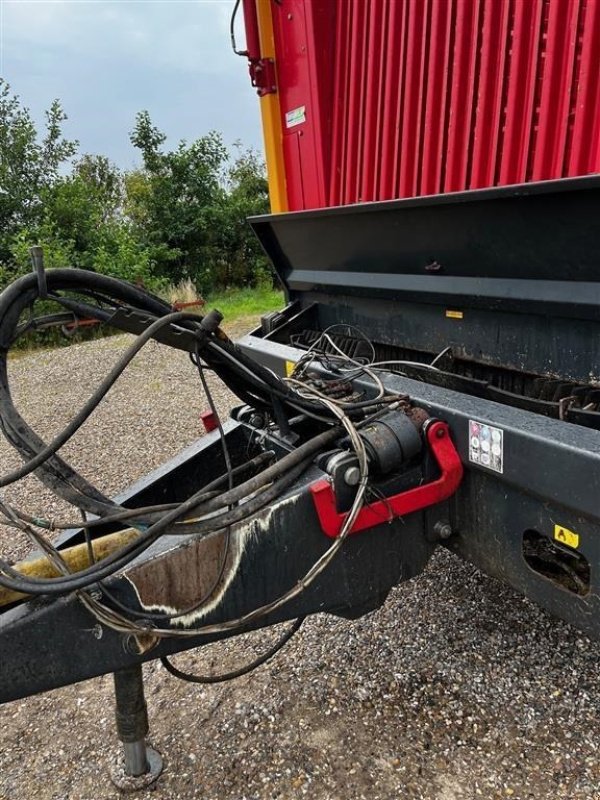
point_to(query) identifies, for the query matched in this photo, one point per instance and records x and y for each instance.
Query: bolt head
(352, 476)
(443, 529)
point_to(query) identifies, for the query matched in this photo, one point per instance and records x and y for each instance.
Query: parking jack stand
(138, 765)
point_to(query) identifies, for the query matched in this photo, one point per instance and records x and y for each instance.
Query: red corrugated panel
(464, 77)
(342, 56)
(381, 114)
(391, 132)
(436, 106)
(415, 86)
(495, 41)
(409, 97)
(520, 73)
(584, 153)
(354, 119)
(371, 121)
(561, 40)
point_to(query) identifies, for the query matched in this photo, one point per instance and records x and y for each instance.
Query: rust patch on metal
(418, 416)
(187, 575)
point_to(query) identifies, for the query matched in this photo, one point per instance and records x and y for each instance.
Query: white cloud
(108, 59)
(187, 35)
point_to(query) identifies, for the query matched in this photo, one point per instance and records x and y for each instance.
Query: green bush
(180, 217)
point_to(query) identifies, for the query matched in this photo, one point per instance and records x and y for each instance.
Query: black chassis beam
(551, 476)
(50, 643)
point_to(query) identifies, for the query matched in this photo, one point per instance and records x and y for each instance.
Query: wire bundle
(85, 294)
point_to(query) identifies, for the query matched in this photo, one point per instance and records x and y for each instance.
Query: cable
(441, 354)
(301, 456)
(237, 673)
(230, 477)
(119, 623)
(205, 511)
(19, 296)
(98, 395)
(232, 31)
(231, 364)
(144, 513)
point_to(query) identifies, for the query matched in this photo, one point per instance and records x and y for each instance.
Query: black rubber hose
(24, 291)
(227, 360)
(275, 471)
(286, 470)
(13, 580)
(43, 322)
(49, 450)
(236, 673)
(142, 514)
(245, 510)
(56, 473)
(59, 476)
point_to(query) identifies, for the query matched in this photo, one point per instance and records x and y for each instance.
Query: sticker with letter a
(486, 445)
(565, 536)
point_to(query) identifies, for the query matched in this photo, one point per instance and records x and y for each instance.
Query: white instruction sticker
(486, 445)
(295, 117)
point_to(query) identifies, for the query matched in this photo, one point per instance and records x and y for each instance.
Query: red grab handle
(398, 505)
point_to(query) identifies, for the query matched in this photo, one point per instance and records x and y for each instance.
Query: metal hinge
(262, 75)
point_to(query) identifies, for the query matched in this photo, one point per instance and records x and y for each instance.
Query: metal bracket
(262, 75)
(446, 456)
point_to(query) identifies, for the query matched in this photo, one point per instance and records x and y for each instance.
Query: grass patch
(237, 303)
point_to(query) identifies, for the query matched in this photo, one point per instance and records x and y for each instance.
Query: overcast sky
(107, 59)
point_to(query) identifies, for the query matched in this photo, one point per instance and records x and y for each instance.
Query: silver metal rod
(136, 759)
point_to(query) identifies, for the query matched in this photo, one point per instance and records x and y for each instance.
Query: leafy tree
(174, 201)
(82, 225)
(190, 208)
(242, 261)
(28, 165)
(181, 215)
(83, 204)
(104, 180)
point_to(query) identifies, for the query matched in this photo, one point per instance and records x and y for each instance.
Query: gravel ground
(458, 688)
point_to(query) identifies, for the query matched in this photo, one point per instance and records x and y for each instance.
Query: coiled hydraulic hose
(86, 293)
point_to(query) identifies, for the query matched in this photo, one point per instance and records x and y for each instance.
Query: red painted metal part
(179, 306)
(262, 70)
(451, 468)
(413, 97)
(209, 421)
(72, 327)
(252, 50)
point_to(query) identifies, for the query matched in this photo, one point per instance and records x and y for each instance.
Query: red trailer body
(382, 99)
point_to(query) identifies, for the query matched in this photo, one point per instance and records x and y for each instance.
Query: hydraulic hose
(44, 454)
(286, 470)
(249, 380)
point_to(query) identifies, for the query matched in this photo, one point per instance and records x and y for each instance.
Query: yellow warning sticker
(454, 314)
(565, 536)
(290, 366)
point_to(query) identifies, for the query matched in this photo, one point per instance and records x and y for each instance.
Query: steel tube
(135, 757)
(132, 718)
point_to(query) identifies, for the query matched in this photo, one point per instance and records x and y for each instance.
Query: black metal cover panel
(530, 247)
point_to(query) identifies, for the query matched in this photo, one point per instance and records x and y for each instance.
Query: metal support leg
(139, 764)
